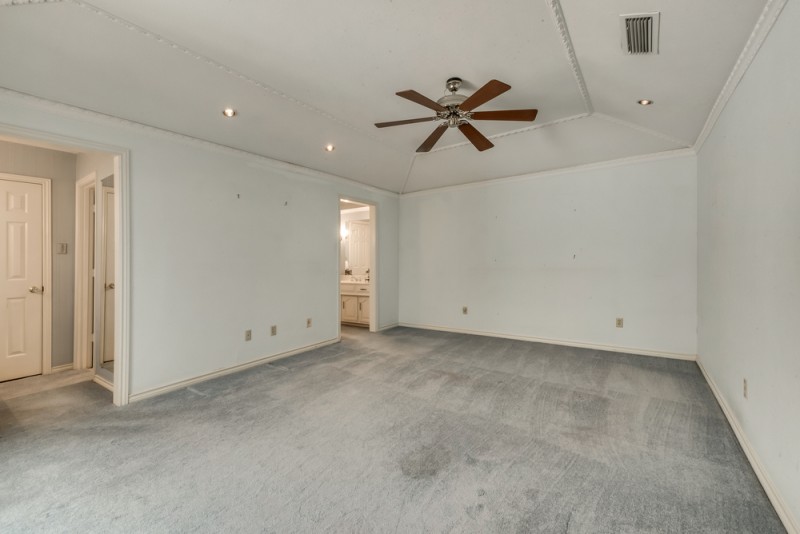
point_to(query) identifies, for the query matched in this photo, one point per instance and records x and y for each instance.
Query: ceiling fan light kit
(456, 111)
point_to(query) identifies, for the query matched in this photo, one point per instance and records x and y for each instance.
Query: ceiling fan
(455, 110)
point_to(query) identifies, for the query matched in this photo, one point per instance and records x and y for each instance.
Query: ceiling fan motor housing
(453, 99)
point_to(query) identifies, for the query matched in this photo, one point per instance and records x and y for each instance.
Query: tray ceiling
(305, 74)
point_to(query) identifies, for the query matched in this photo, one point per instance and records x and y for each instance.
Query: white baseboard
(387, 327)
(228, 370)
(789, 522)
(565, 342)
(60, 368)
(103, 382)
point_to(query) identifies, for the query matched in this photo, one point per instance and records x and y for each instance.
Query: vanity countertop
(354, 288)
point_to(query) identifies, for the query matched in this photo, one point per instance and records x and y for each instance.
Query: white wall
(559, 256)
(749, 255)
(59, 167)
(222, 242)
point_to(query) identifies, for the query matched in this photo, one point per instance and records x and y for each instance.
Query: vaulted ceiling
(305, 74)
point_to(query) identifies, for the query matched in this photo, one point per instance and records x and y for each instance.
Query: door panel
(21, 274)
(349, 309)
(363, 310)
(108, 268)
(359, 246)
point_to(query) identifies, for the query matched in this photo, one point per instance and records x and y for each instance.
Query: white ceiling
(304, 74)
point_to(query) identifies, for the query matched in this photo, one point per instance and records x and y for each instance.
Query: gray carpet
(404, 431)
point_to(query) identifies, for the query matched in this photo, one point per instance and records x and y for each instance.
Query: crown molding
(566, 40)
(16, 3)
(769, 15)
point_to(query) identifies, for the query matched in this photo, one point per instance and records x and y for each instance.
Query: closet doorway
(95, 288)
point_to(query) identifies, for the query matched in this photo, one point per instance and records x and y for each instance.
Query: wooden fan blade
(506, 115)
(492, 89)
(409, 121)
(475, 137)
(431, 140)
(422, 100)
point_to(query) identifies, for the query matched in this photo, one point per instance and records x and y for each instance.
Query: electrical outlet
(248, 335)
(273, 330)
(619, 322)
(308, 322)
(464, 310)
(744, 387)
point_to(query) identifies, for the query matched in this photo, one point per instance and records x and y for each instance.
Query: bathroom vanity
(355, 303)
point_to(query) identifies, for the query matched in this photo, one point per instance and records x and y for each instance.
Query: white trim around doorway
(82, 353)
(122, 320)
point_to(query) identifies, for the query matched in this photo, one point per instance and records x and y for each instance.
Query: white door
(21, 275)
(108, 266)
(360, 249)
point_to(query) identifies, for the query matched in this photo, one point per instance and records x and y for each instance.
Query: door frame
(82, 314)
(101, 252)
(122, 254)
(47, 266)
(374, 265)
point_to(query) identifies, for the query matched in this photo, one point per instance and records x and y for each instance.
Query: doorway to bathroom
(358, 296)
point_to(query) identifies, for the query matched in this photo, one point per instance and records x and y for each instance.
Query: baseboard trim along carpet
(228, 370)
(60, 368)
(789, 522)
(103, 382)
(564, 342)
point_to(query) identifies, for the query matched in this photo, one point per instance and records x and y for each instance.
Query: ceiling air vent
(640, 33)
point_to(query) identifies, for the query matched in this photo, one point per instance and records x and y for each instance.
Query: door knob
(110, 286)
(36, 289)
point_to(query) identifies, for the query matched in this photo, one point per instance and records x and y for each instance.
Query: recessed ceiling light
(329, 148)
(229, 112)
(645, 102)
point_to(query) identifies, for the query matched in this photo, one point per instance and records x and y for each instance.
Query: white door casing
(122, 311)
(24, 246)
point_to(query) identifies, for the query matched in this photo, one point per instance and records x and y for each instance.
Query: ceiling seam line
(226, 69)
(408, 174)
(643, 129)
(274, 162)
(654, 156)
(566, 40)
(519, 131)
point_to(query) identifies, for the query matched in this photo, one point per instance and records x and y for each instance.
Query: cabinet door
(363, 310)
(349, 309)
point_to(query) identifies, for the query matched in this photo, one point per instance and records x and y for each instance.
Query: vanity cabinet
(355, 309)
(349, 309)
